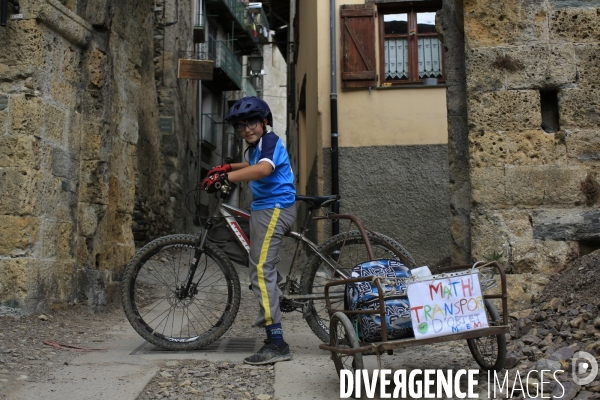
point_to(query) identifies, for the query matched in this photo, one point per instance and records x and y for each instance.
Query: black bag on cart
(365, 296)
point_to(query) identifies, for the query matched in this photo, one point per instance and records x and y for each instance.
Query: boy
(273, 212)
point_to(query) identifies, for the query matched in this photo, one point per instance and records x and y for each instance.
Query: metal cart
(488, 345)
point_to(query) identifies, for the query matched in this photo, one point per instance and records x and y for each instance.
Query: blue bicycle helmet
(249, 108)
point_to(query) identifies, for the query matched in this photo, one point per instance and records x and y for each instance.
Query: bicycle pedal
(306, 309)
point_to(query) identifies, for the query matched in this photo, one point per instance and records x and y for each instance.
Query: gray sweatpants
(267, 228)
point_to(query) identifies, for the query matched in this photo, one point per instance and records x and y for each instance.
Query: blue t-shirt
(276, 190)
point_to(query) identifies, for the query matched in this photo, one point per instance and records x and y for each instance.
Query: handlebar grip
(217, 185)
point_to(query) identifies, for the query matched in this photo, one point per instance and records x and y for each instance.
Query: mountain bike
(182, 292)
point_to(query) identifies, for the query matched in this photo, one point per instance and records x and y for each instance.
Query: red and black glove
(214, 182)
(219, 169)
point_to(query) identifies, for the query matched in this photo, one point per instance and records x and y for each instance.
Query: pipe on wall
(335, 183)
(3, 12)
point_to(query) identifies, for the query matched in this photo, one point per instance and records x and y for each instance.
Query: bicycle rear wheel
(318, 272)
(159, 315)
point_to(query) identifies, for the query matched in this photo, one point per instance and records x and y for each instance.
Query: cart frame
(389, 346)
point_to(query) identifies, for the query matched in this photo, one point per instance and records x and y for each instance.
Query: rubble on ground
(562, 320)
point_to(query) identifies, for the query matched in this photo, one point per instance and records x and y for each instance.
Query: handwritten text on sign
(446, 306)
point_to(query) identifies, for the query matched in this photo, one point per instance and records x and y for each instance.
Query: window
(410, 50)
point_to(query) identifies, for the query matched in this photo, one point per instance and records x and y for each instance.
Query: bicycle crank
(287, 306)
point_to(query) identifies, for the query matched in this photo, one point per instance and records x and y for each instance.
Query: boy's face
(251, 130)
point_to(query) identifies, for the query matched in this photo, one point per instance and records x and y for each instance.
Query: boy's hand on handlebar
(214, 182)
(219, 169)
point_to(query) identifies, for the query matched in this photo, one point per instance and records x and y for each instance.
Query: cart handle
(359, 226)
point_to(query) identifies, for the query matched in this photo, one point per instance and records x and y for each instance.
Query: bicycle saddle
(316, 202)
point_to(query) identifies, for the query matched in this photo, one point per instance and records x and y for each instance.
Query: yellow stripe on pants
(259, 267)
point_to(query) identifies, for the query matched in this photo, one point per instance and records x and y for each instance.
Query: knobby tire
(344, 338)
(317, 273)
(154, 309)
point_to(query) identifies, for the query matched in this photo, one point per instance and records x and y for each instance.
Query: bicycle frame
(229, 213)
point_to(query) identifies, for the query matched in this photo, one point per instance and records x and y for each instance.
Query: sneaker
(270, 353)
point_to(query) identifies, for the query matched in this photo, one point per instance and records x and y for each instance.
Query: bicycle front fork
(189, 289)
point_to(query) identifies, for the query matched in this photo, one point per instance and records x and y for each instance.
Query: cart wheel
(342, 336)
(489, 351)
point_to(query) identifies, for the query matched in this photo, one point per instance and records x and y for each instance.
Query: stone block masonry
(81, 161)
(531, 66)
(69, 106)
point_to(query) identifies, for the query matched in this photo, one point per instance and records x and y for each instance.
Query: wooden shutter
(358, 45)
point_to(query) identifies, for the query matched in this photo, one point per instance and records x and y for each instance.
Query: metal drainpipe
(335, 184)
(3, 12)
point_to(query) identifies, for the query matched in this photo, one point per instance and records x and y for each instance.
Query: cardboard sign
(444, 305)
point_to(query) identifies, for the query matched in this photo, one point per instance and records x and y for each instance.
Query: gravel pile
(191, 379)
(563, 320)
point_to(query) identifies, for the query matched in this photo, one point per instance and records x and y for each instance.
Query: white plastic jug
(421, 271)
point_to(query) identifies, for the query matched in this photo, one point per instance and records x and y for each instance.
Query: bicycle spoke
(204, 315)
(196, 318)
(152, 309)
(347, 251)
(152, 273)
(207, 309)
(166, 318)
(159, 310)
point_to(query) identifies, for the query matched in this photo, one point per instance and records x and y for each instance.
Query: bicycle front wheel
(160, 314)
(348, 251)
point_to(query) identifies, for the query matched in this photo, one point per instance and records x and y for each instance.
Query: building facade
(499, 160)
(465, 129)
(392, 121)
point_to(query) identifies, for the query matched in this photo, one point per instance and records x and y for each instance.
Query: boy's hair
(247, 108)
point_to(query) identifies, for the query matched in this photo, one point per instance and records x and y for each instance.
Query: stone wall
(450, 27)
(167, 162)
(69, 109)
(534, 134)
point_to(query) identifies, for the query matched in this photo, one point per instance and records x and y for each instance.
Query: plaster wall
(313, 28)
(393, 158)
(392, 117)
(274, 90)
(408, 202)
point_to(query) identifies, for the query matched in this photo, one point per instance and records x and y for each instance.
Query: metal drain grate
(223, 345)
